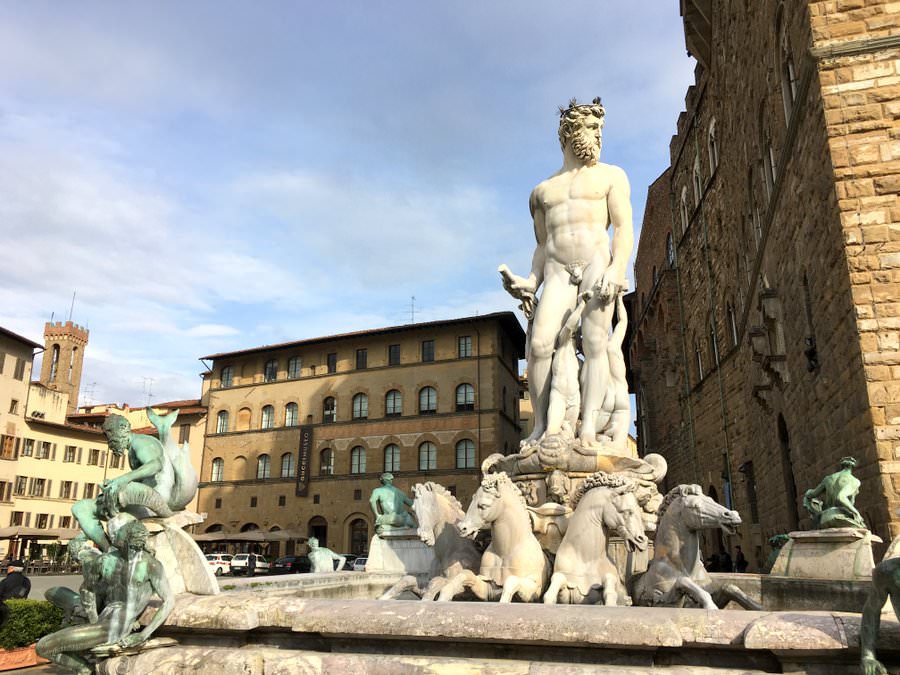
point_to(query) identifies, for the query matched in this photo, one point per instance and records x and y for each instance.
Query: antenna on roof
(72, 306)
(412, 309)
(148, 389)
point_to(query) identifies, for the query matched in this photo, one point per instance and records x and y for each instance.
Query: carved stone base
(400, 551)
(840, 553)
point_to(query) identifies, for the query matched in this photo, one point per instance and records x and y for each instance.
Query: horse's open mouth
(729, 529)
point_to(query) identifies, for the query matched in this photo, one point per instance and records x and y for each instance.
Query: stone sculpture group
(121, 573)
(554, 507)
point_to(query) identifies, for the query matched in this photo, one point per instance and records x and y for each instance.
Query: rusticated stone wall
(782, 308)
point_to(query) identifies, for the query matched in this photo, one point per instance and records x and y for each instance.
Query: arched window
(393, 403)
(358, 459)
(267, 420)
(698, 183)
(291, 415)
(270, 372)
(359, 537)
(713, 341)
(698, 353)
(360, 407)
(73, 356)
(427, 401)
(222, 422)
(732, 325)
(226, 378)
(54, 362)
(685, 210)
(243, 419)
(427, 456)
(712, 147)
(294, 364)
(465, 454)
(217, 475)
(326, 462)
(263, 468)
(670, 251)
(392, 457)
(786, 65)
(465, 397)
(287, 465)
(329, 410)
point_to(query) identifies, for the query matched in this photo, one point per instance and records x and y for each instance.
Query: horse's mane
(602, 479)
(675, 493)
(439, 489)
(493, 481)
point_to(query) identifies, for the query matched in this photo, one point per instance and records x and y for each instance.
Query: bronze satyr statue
(831, 502)
(132, 576)
(389, 506)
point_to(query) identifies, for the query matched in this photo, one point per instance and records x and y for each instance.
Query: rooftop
(508, 319)
(24, 340)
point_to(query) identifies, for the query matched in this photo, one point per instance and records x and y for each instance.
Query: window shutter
(28, 519)
(49, 483)
(79, 456)
(30, 485)
(50, 522)
(61, 483)
(74, 490)
(103, 458)
(53, 453)
(18, 444)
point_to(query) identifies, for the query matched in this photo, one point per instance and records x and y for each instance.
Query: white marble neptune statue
(584, 232)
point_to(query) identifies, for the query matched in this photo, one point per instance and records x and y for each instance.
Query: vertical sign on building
(306, 439)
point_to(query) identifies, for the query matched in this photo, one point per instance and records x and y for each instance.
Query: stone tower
(64, 345)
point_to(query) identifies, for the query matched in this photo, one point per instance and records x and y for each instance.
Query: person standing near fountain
(574, 255)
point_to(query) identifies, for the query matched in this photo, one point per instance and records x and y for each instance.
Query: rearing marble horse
(437, 512)
(676, 573)
(514, 563)
(583, 572)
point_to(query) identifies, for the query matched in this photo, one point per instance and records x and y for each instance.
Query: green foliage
(29, 621)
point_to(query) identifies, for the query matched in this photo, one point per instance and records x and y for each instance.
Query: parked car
(239, 564)
(349, 559)
(359, 565)
(220, 563)
(291, 564)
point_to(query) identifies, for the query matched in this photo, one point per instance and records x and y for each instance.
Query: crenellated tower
(61, 368)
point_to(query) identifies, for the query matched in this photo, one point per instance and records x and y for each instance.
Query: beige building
(766, 339)
(298, 433)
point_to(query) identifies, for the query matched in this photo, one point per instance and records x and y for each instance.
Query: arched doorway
(359, 537)
(249, 547)
(318, 528)
(273, 549)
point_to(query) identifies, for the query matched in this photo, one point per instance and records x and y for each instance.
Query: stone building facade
(299, 433)
(766, 341)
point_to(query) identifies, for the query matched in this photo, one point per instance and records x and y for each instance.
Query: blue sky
(219, 175)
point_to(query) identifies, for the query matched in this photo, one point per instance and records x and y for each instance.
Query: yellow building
(298, 433)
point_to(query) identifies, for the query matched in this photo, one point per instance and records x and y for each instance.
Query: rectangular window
(294, 365)
(464, 346)
(227, 376)
(393, 355)
(65, 522)
(14, 407)
(8, 448)
(252, 502)
(20, 369)
(427, 350)
(93, 457)
(315, 499)
(69, 454)
(28, 447)
(44, 450)
(282, 500)
(21, 485)
(218, 503)
(270, 371)
(115, 461)
(184, 433)
(357, 495)
(37, 487)
(17, 518)
(362, 359)
(89, 490)
(331, 360)
(65, 489)
(42, 520)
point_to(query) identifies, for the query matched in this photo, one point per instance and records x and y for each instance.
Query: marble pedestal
(840, 553)
(400, 551)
